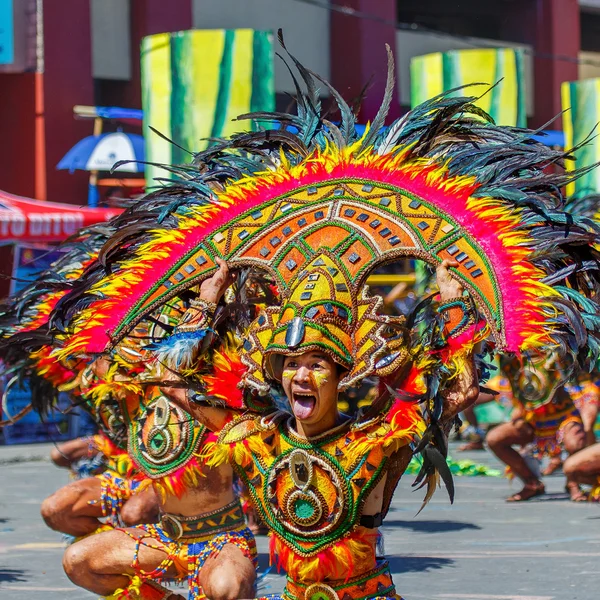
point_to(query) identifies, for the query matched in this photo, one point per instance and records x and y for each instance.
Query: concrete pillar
(358, 56)
(556, 38)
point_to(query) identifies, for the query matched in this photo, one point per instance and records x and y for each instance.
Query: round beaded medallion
(306, 492)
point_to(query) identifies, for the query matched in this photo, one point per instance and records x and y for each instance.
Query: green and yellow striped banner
(194, 83)
(433, 74)
(581, 101)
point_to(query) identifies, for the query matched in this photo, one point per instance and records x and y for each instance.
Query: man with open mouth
(323, 481)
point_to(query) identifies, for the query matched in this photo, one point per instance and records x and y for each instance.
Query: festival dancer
(201, 536)
(319, 208)
(109, 497)
(545, 417)
(325, 480)
(116, 496)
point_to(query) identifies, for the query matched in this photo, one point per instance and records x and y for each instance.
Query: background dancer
(200, 537)
(546, 418)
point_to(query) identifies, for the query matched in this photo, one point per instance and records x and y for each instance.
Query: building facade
(68, 52)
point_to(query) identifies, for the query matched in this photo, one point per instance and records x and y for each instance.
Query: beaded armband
(198, 316)
(458, 316)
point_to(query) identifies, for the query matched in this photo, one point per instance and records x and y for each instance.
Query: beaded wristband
(205, 305)
(458, 315)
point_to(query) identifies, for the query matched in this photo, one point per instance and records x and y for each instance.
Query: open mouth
(303, 404)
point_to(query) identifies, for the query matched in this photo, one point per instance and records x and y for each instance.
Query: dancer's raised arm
(211, 292)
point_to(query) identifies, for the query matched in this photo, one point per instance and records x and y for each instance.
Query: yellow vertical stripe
(205, 64)
(478, 66)
(156, 94)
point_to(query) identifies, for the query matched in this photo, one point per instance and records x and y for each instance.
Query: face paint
(288, 373)
(318, 379)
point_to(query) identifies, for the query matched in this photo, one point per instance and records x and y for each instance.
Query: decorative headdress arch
(441, 183)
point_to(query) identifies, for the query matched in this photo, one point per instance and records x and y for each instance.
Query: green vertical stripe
(521, 91)
(225, 73)
(178, 97)
(263, 77)
(451, 72)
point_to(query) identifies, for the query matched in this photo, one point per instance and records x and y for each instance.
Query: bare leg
(501, 440)
(65, 454)
(589, 414)
(574, 440)
(101, 563)
(554, 464)
(228, 575)
(75, 509)
(584, 466)
(69, 511)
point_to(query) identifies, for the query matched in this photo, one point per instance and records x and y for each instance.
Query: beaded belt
(209, 524)
(376, 583)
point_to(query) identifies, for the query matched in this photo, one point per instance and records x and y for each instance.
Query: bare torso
(213, 491)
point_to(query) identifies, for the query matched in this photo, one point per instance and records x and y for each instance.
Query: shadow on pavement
(414, 564)
(431, 526)
(12, 575)
(559, 496)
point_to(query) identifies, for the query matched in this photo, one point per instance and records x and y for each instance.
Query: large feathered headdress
(442, 182)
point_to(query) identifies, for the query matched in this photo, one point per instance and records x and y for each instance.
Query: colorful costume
(539, 391)
(584, 392)
(163, 444)
(319, 208)
(26, 348)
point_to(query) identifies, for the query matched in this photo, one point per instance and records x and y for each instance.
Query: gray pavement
(479, 549)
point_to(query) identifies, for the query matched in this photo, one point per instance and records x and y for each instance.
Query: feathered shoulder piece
(26, 343)
(311, 197)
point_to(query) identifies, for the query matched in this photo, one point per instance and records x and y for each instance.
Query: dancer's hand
(449, 286)
(213, 288)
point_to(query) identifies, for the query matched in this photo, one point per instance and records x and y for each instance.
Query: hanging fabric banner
(435, 73)
(194, 83)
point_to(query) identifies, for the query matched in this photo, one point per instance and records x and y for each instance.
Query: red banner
(24, 219)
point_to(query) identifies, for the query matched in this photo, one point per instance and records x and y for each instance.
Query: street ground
(479, 549)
